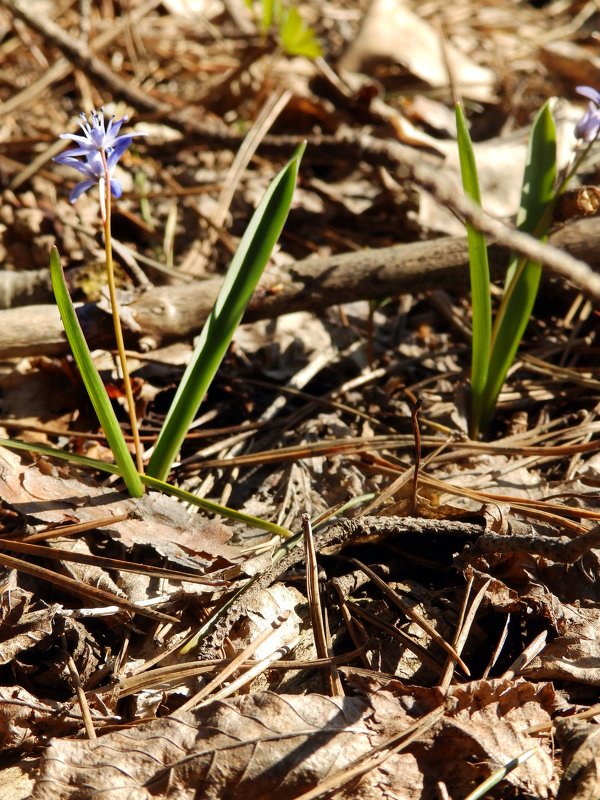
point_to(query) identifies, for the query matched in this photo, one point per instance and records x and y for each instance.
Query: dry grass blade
(396, 633)
(58, 531)
(313, 593)
(408, 611)
(463, 630)
(106, 563)
(82, 699)
(77, 587)
(256, 669)
(235, 664)
(408, 475)
(533, 649)
(175, 674)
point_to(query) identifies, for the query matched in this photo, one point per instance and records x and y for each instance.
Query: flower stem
(105, 200)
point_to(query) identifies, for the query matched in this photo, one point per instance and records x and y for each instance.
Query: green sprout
(494, 345)
(295, 37)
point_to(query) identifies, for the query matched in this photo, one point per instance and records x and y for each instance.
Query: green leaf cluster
(295, 36)
(494, 347)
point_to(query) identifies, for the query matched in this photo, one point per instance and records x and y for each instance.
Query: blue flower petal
(81, 166)
(76, 151)
(78, 190)
(115, 154)
(588, 126)
(83, 141)
(114, 126)
(116, 188)
(589, 92)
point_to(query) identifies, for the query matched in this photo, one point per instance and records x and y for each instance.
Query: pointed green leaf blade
(241, 279)
(91, 378)
(151, 483)
(523, 277)
(480, 277)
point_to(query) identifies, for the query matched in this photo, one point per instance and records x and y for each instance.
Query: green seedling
(295, 37)
(494, 347)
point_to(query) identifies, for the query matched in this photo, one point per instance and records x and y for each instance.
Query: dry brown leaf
(392, 34)
(23, 629)
(156, 520)
(17, 782)
(580, 742)
(491, 718)
(574, 656)
(260, 746)
(484, 728)
(27, 722)
(259, 615)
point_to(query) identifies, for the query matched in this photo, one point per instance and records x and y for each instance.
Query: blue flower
(87, 156)
(588, 126)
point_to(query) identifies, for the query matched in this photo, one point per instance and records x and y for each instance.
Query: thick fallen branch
(177, 312)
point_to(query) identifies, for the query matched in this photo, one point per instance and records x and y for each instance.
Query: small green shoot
(523, 276)
(493, 356)
(295, 36)
(244, 272)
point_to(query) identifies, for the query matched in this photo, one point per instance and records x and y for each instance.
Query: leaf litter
(468, 564)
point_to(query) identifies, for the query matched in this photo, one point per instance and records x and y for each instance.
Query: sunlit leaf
(480, 277)
(241, 279)
(523, 278)
(297, 38)
(91, 379)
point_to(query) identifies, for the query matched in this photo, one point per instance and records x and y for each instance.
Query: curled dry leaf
(390, 22)
(260, 613)
(485, 726)
(22, 628)
(574, 656)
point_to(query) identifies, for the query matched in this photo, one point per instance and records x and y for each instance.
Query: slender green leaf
(53, 452)
(479, 274)
(152, 483)
(523, 278)
(539, 182)
(215, 508)
(241, 279)
(91, 379)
